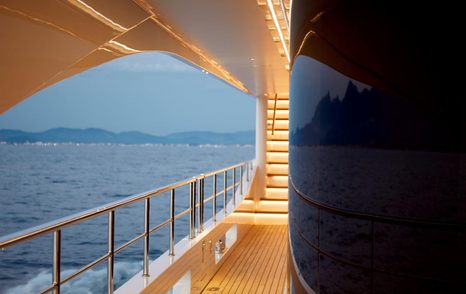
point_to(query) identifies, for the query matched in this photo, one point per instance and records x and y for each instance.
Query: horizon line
(135, 131)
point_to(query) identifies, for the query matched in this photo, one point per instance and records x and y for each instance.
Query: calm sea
(43, 182)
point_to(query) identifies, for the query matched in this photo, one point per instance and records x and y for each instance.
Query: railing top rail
(30, 233)
(224, 169)
(373, 217)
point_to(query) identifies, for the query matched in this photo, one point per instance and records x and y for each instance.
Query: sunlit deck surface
(257, 265)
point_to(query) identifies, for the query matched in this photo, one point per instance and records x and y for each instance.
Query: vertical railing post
(298, 217)
(192, 210)
(247, 171)
(214, 204)
(372, 255)
(225, 191)
(146, 237)
(201, 203)
(241, 179)
(56, 261)
(196, 211)
(111, 249)
(172, 223)
(234, 186)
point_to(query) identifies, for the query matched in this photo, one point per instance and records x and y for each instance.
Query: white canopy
(46, 41)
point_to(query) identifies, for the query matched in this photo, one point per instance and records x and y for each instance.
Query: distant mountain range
(93, 135)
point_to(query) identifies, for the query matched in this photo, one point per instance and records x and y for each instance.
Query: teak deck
(257, 265)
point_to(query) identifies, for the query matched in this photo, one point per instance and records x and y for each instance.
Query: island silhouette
(373, 118)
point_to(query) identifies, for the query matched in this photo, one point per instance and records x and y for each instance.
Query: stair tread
(278, 132)
(277, 156)
(272, 149)
(278, 140)
(278, 98)
(265, 206)
(278, 108)
(262, 212)
(283, 114)
(279, 169)
(276, 193)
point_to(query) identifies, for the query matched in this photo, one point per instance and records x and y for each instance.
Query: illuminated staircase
(275, 199)
(276, 196)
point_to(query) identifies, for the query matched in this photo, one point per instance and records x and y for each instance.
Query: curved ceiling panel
(47, 41)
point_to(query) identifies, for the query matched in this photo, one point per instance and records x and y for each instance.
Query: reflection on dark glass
(357, 148)
(345, 112)
(358, 153)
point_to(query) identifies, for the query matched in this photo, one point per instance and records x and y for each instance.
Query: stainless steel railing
(196, 211)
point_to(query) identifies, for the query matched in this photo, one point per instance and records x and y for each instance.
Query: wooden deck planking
(274, 275)
(264, 273)
(233, 281)
(238, 254)
(257, 264)
(252, 271)
(275, 263)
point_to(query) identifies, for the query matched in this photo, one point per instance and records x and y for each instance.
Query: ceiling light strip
(125, 49)
(279, 29)
(81, 5)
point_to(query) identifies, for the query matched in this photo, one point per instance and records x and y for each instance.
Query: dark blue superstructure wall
(377, 152)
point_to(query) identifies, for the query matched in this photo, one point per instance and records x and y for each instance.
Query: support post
(259, 183)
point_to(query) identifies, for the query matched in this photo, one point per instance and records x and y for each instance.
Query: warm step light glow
(277, 135)
(281, 104)
(280, 125)
(264, 206)
(277, 157)
(276, 193)
(277, 169)
(279, 114)
(277, 181)
(275, 206)
(277, 146)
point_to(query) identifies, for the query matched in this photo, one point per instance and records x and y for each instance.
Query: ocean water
(43, 182)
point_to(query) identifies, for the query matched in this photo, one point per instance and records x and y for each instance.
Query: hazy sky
(149, 92)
